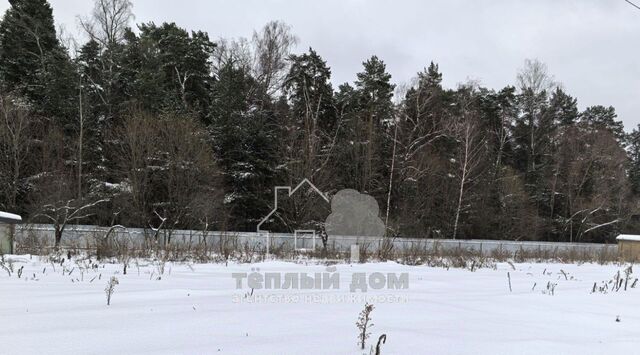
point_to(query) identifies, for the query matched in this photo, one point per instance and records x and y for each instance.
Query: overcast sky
(590, 46)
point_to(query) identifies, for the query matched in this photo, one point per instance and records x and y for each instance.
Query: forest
(156, 125)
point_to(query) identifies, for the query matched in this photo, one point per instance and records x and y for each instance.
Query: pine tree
(313, 116)
(603, 118)
(169, 69)
(425, 150)
(499, 111)
(246, 140)
(375, 111)
(563, 108)
(32, 61)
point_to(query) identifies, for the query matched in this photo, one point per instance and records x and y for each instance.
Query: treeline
(165, 128)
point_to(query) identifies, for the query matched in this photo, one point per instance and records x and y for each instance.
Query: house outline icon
(290, 193)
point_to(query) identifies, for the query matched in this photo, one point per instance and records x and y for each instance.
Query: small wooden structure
(629, 247)
(7, 230)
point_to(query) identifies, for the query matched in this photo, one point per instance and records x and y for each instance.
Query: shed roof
(629, 237)
(6, 217)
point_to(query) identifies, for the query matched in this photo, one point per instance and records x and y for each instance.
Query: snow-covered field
(196, 309)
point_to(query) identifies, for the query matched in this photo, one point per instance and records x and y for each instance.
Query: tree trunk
(58, 237)
(458, 209)
(80, 142)
(393, 162)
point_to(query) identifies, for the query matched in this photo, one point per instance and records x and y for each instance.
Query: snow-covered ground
(196, 309)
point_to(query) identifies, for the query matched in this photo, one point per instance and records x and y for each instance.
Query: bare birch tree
(271, 49)
(108, 22)
(471, 146)
(107, 26)
(533, 81)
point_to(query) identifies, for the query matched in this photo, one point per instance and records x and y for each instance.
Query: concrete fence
(88, 237)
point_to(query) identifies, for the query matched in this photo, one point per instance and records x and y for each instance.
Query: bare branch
(634, 5)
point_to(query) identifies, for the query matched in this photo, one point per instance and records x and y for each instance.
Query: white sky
(588, 45)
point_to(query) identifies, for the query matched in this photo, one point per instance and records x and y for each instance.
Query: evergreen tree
(425, 152)
(374, 91)
(138, 118)
(32, 61)
(634, 160)
(603, 118)
(169, 69)
(563, 108)
(313, 115)
(246, 142)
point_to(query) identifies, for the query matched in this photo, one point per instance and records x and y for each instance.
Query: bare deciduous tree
(418, 167)
(170, 169)
(16, 125)
(106, 26)
(533, 81)
(272, 46)
(53, 192)
(232, 52)
(592, 187)
(535, 76)
(471, 146)
(61, 213)
(137, 138)
(108, 21)
(188, 168)
(265, 56)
